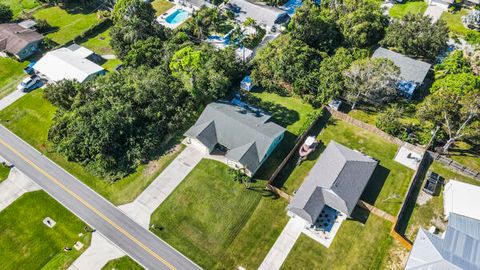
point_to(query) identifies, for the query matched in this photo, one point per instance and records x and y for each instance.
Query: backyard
(161, 6)
(390, 181)
(11, 73)
(99, 43)
(217, 222)
(356, 246)
(30, 118)
(31, 244)
(67, 23)
(401, 9)
(454, 22)
(432, 212)
(17, 6)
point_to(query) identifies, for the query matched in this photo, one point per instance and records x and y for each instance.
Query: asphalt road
(139, 243)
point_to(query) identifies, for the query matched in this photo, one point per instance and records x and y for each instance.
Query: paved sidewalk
(11, 98)
(99, 253)
(142, 208)
(15, 186)
(279, 252)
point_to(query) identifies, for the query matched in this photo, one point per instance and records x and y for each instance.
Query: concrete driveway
(435, 12)
(15, 186)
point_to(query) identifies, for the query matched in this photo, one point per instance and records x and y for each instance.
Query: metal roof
(245, 131)
(337, 179)
(410, 69)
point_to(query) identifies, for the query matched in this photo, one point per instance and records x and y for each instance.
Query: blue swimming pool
(178, 16)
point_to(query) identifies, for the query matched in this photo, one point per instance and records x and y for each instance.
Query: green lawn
(17, 6)
(454, 21)
(69, 25)
(356, 246)
(290, 112)
(390, 181)
(466, 154)
(4, 172)
(123, 263)
(161, 6)
(217, 222)
(30, 118)
(415, 7)
(424, 215)
(111, 64)
(11, 73)
(99, 43)
(29, 244)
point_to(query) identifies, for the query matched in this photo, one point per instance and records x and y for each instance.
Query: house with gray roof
(265, 16)
(457, 248)
(19, 41)
(337, 180)
(244, 135)
(412, 72)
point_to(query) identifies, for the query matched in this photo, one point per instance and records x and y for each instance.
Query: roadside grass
(27, 243)
(4, 172)
(31, 116)
(17, 6)
(217, 222)
(123, 263)
(161, 6)
(390, 181)
(401, 9)
(69, 25)
(99, 43)
(11, 74)
(356, 246)
(431, 213)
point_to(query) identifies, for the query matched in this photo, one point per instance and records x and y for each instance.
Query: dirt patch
(397, 257)
(153, 165)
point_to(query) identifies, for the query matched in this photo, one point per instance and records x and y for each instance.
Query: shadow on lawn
(359, 214)
(375, 185)
(280, 114)
(85, 7)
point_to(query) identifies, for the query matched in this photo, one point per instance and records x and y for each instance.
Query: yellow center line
(57, 182)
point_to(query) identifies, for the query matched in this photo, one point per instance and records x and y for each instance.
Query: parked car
(30, 83)
(29, 69)
(431, 184)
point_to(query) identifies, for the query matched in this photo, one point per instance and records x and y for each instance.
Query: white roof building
(68, 64)
(461, 198)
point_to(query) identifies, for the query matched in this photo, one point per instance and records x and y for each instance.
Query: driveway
(15, 186)
(11, 98)
(435, 12)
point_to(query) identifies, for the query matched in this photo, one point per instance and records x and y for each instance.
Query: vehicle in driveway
(30, 83)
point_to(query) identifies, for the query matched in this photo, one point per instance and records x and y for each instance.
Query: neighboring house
(71, 63)
(461, 198)
(412, 72)
(244, 135)
(265, 16)
(458, 248)
(19, 41)
(337, 180)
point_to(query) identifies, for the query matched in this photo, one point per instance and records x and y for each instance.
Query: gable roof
(410, 69)
(459, 249)
(337, 179)
(245, 131)
(262, 14)
(64, 63)
(15, 38)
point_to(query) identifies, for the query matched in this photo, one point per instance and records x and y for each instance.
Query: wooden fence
(455, 165)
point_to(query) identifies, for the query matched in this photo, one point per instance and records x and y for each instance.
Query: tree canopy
(415, 35)
(129, 9)
(6, 14)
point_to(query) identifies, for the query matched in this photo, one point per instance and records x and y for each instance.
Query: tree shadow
(81, 7)
(375, 185)
(280, 114)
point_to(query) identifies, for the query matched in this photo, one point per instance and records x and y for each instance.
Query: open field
(401, 9)
(17, 6)
(30, 118)
(161, 6)
(432, 212)
(356, 246)
(390, 181)
(218, 222)
(11, 74)
(68, 25)
(123, 263)
(28, 243)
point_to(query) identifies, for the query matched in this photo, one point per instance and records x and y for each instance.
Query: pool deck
(178, 5)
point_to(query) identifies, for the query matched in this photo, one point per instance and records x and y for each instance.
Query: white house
(68, 64)
(461, 198)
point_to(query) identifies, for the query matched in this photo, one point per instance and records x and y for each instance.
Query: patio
(326, 226)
